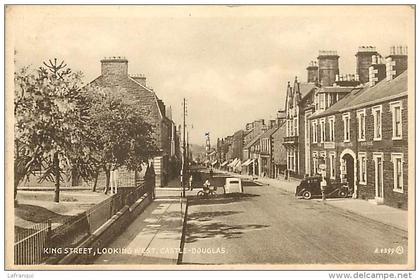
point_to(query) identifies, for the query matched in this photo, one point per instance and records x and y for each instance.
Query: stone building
(324, 87)
(298, 98)
(279, 154)
(363, 140)
(115, 77)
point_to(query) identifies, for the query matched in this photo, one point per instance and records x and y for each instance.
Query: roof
(269, 132)
(360, 97)
(253, 141)
(305, 89)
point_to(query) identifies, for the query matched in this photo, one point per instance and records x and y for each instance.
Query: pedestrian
(323, 187)
(190, 182)
(211, 173)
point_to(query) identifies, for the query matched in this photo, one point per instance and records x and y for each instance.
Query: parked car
(233, 185)
(310, 187)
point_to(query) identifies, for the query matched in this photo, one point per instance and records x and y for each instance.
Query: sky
(232, 64)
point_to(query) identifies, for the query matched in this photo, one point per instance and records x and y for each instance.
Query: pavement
(154, 237)
(267, 225)
(381, 213)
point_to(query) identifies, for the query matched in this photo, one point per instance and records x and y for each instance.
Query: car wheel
(307, 195)
(342, 193)
(200, 194)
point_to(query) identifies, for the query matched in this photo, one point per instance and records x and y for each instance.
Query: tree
(122, 136)
(51, 124)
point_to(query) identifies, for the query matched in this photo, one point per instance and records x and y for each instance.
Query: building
(299, 97)
(251, 156)
(115, 77)
(266, 152)
(279, 154)
(305, 99)
(362, 139)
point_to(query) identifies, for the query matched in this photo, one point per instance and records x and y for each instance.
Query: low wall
(107, 232)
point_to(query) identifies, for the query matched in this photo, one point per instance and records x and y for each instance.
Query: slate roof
(368, 96)
(269, 132)
(306, 88)
(253, 141)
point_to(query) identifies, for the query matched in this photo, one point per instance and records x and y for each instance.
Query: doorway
(349, 166)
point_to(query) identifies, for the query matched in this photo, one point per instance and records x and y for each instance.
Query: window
(332, 165)
(292, 130)
(377, 122)
(295, 124)
(331, 121)
(346, 120)
(397, 160)
(322, 125)
(291, 160)
(314, 131)
(361, 124)
(396, 120)
(362, 169)
(322, 101)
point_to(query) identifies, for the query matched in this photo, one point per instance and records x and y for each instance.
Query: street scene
(214, 137)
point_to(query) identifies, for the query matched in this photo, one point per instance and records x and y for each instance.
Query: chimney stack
(364, 60)
(328, 67)
(312, 72)
(116, 66)
(377, 70)
(140, 78)
(396, 61)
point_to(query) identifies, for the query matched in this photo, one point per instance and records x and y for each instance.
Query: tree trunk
(95, 183)
(15, 192)
(75, 178)
(108, 179)
(56, 165)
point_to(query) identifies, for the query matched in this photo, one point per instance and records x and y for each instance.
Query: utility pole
(184, 157)
(188, 148)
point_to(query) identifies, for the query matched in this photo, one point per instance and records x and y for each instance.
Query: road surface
(267, 225)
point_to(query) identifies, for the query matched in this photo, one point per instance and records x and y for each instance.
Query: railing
(32, 245)
(29, 247)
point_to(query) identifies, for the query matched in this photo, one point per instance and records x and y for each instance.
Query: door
(379, 186)
(349, 162)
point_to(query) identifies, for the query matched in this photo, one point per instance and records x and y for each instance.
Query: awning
(248, 162)
(224, 163)
(233, 163)
(238, 163)
(214, 162)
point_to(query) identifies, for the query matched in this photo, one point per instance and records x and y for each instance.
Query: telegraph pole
(184, 157)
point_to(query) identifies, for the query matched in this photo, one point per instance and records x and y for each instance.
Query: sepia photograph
(210, 137)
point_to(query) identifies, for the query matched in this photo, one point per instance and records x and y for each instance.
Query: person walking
(190, 182)
(323, 188)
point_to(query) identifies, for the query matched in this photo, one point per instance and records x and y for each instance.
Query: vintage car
(233, 185)
(310, 187)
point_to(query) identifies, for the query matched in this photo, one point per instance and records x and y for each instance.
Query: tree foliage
(122, 136)
(62, 125)
(51, 117)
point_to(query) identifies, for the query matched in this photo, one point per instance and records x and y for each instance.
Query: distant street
(268, 225)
